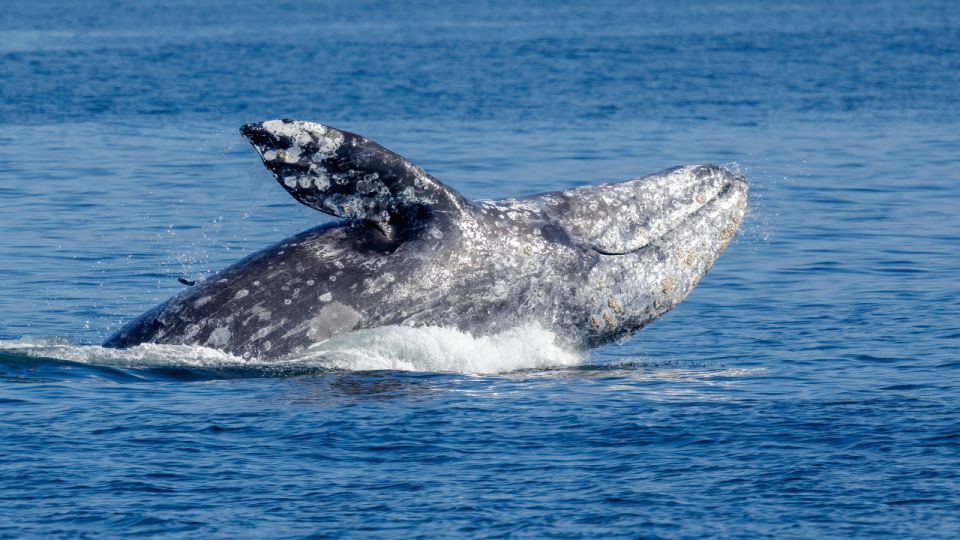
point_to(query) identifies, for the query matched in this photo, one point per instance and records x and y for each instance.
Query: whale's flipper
(347, 175)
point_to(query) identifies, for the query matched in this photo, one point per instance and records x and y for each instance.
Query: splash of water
(386, 348)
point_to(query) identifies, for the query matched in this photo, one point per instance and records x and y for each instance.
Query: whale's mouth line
(727, 190)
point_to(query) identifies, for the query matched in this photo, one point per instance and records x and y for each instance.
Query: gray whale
(592, 264)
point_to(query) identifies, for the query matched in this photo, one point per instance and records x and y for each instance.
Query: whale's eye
(282, 154)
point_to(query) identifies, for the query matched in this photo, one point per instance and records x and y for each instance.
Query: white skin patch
(290, 155)
(303, 133)
(335, 318)
(298, 131)
(220, 337)
(192, 330)
(321, 182)
(329, 145)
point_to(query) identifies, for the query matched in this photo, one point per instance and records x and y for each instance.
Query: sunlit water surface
(808, 387)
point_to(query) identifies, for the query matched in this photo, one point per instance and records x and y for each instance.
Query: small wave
(431, 349)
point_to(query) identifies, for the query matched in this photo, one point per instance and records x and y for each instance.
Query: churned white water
(442, 349)
(386, 348)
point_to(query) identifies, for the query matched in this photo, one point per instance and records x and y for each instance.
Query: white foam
(401, 348)
(442, 349)
(139, 356)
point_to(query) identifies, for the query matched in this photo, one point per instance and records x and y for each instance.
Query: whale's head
(653, 239)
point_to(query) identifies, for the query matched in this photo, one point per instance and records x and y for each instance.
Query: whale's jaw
(675, 262)
(636, 248)
(654, 239)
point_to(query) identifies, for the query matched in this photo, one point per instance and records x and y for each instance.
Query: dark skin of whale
(592, 264)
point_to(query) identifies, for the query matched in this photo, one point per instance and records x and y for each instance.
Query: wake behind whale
(590, 265)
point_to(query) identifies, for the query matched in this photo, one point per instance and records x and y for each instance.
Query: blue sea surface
(808, 387)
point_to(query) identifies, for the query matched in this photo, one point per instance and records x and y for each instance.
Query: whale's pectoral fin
(347, 175)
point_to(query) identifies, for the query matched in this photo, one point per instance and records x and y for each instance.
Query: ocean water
(807, 388)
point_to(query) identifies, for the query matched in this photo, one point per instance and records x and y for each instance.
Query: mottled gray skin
(591, 264)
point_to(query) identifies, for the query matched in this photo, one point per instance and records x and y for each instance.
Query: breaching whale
(592, 264)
